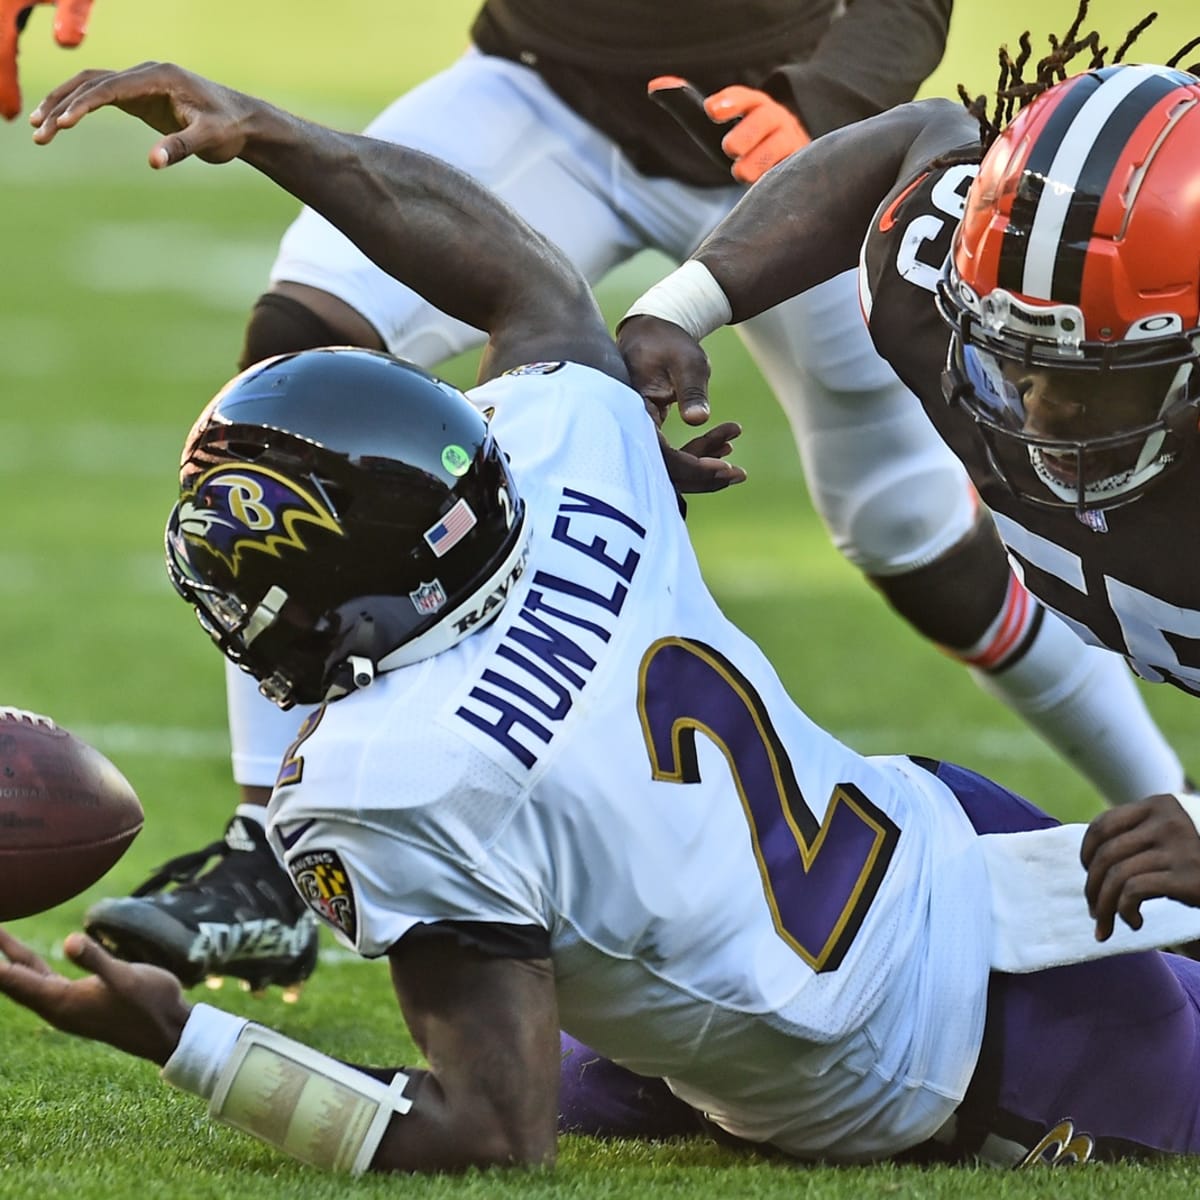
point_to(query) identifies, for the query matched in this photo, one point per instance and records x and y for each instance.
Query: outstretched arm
(421, 220)
(418, 218)
(487, 1025)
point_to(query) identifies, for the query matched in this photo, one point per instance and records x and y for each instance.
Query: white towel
(1039, 911)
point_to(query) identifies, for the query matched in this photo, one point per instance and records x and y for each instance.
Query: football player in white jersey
(549, 109)
(554, 786)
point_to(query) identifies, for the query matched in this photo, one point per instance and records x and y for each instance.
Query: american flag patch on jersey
(451, 529)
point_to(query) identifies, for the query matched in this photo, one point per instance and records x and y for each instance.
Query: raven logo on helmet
(341, 513)
(242, 508)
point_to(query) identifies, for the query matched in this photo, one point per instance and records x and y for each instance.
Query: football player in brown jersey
(1034, 277)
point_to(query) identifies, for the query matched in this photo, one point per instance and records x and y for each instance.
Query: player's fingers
(716, 474)
(68, 103)
(1109, 825)
(56, 95)
(15, 951)
(1145, 886)
(684, 383)
(1105, 852)
(690, 381)
(751, 131)
(732, 102)
(716, 442)
(87, 953)
(1117, 832)
(691, 474)
(1122, 888)
(71, 21)
(175, 147)
(670, 384)
(760, 158)
(776, 148)
(1110, 862)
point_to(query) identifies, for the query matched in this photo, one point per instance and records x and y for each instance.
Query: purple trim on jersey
(989, 807)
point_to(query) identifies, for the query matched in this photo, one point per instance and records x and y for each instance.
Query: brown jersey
(1124, 577)
(829, 61)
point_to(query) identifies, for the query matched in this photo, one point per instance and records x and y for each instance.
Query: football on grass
(66, 814)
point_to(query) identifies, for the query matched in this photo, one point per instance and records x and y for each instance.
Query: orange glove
(70, 24)
(766, 134)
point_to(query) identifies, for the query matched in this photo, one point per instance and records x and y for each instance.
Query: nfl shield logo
(429, 597)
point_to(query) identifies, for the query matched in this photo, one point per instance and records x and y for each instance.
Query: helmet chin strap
(351, 675)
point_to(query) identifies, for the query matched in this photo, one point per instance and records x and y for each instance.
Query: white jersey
(795, 937)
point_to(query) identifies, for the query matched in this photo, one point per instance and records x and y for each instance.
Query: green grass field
(124, 293)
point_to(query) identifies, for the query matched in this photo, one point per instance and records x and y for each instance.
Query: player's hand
(137, 1008)
(700, 465)
(70, 24)
(199, 117)
(1135, 852)
(766, 134)
(666, 366)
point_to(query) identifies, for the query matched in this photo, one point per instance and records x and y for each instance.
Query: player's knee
(899, 516)
(281, 324)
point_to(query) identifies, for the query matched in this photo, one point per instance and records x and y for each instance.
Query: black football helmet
(341, 512)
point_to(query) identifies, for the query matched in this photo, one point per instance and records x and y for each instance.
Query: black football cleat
(241, 917)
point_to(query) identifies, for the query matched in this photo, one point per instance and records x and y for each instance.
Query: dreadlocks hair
(1014, 91)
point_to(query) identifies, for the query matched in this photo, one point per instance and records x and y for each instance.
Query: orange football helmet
(1079, 251)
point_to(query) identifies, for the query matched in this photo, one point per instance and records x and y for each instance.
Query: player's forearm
(418, 218)
(451, 1129)
(804, 222)
(343, 1117)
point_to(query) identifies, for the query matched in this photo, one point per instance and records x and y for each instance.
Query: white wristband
(205, 1046)
(689, 297)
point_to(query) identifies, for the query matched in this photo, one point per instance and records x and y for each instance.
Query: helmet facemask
(992, 364)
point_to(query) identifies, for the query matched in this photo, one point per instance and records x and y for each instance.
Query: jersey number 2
(819, 877)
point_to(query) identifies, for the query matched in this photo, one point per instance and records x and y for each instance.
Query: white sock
(1084, 701)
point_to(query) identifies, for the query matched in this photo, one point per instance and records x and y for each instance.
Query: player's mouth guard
(293, 1097)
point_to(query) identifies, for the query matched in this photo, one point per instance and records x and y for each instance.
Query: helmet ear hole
(368, 492)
